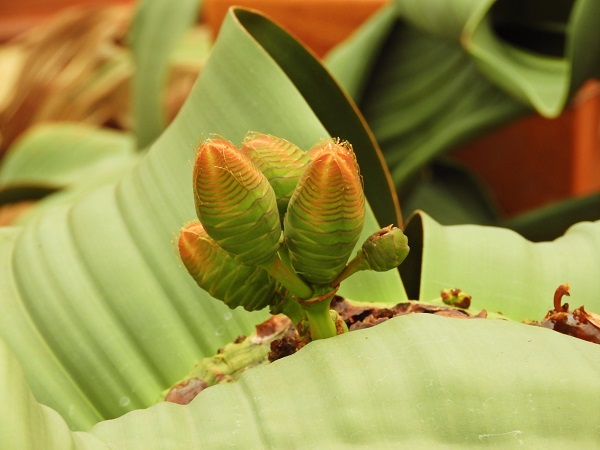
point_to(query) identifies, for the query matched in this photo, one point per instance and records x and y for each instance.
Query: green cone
(235, 203)
(326, 213)
(280, 161)
(220, 275)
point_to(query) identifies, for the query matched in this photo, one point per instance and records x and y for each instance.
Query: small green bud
(235, 203)
(385, 249)
(280, 161)
(326, 213)
(222, 276)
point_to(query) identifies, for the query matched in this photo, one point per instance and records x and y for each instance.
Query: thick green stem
(289, 306)
(230, 361)
(320, 322)
(355, 265)
(288, 278)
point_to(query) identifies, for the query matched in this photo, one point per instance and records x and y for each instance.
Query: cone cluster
(268, 203)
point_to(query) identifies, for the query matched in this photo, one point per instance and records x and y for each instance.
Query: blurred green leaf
(59, 156)
(96, 305)
(441, 73)
(451, 194)
(539, 53)
(157, 28)
(536, 52)
(551, 221)
(423, 96)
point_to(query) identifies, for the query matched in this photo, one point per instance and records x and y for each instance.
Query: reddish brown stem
(561, 290)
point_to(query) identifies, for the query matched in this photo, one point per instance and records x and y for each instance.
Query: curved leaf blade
(59, 156)
(501, 270)
(97, 306)
(480, 382)
(336, 111)
(533, 51)
(157, 28)
(551, 221)
(452, 195)
(33, 425)
(423, 95)
(446, 72)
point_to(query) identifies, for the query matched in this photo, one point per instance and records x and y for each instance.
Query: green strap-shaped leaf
(423, 95)
(452, 194)
(157, 28)
(501, 270)
(96, 305)
(31, 424)
(420, 382)
(59, 156)
(449, 70)
(551, 221)
(540, 53)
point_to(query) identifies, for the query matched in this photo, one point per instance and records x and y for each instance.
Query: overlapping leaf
(445, 72)
(67, 158)
(526, 274)
(157, 28)
(100, 316)
(96, 304)
(418, 381)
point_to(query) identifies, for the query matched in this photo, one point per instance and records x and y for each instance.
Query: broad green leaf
(32, 425)
(418, 381)
(59, 156)
(352, 61)
(423, 96)
(500, 269)
(340, 120)
(421, 381)
(157, 28)
(96, 305)
(59, 163)
(450, 70)
(537, 52)
(551, 221)
(452, 195)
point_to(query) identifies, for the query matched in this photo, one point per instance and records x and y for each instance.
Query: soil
(277, 337)
(359, 317)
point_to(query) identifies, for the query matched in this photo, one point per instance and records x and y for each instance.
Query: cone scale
(326, 213)
(224, 278)
(235, 203)
(280, 161)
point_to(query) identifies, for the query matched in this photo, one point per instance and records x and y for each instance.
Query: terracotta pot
(319, 24)
(535, 161)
